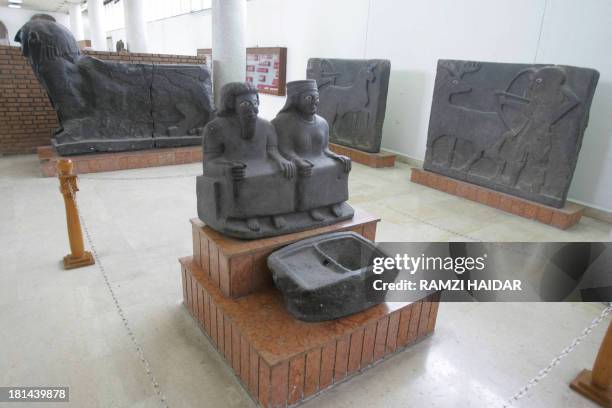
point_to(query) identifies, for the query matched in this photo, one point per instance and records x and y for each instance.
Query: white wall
(182, 34)
(580, 33)
(414, 34)
(86, 26)
(14, 19)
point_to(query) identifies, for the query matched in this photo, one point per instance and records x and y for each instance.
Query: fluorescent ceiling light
(12, 5)
(16, 1)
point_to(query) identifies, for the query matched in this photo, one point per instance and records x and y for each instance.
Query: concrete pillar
(228, 43)
(135, 25)
(76, 21)
(95, 11)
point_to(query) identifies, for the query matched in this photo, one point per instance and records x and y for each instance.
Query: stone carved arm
(285, 146)
(510, 99)
(303, 166)
(287, 167)
(515, 101)
(570, 102)
(214, 161)
(346, 161)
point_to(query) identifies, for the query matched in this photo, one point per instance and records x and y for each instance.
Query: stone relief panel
(515, 128)
(353, 97)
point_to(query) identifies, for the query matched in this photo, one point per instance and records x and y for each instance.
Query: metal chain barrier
(118, 307)
(555, 361)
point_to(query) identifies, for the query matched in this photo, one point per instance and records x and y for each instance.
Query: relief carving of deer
(340, 100)
(460, 124)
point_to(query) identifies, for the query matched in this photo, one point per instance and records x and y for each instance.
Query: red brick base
(562, 218)
(239, 268)
(94, 163)
(281, 361)
(369, 159)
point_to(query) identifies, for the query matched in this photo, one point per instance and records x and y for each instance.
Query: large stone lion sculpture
(114, 106)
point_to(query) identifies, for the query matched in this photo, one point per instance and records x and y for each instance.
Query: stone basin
(328, 276)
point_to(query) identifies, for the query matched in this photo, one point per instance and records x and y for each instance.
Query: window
(155, 10)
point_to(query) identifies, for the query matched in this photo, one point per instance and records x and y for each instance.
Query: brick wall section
(26, 116)
(27, 119)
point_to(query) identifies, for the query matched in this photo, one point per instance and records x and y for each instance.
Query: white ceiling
(45, 5)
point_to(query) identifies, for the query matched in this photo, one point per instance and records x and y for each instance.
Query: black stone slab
(328, 276)
(515, 128)
(353, 94)
(4, 39)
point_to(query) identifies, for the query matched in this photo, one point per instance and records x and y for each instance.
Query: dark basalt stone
(328, 276)
(111, 106)
(263, 179)
(4, 40)
(515, 128)
(43, 16)
(353, 99)
(181, 104)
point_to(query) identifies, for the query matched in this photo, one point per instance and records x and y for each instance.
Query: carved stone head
(42, 16)
(302, 96)
(546, 82)
(235, 97)
(241, 100)
(42, 40)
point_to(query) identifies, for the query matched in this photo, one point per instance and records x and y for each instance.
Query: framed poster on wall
(266, 68)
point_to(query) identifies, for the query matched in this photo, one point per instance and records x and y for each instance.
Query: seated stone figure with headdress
(304, 139)
(249, 189)
(247, 186)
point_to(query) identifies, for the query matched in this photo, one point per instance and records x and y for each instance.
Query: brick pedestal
(562, 218)
(279, 360)
(99, 162)
(369, 159)
(238, 267)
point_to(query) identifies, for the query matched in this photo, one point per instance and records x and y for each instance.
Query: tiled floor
(412, 212)
(62, 328)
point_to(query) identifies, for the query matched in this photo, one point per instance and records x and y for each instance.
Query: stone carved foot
(336, 209)
(316, 215)
(279, 222)
(253, 224)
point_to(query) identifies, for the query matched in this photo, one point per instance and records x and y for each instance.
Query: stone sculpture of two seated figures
(266, 178)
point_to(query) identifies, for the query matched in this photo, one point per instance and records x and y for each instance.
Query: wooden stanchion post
(68, 187)
(596, 385)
